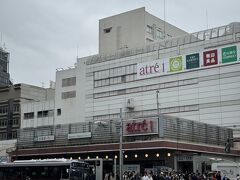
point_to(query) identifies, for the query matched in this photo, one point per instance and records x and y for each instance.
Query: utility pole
(120, 147)
(160, 119)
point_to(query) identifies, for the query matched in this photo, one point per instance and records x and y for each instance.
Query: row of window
(159, 33)
(41, 114)
(14, 122)
(11, 135)
(4, 109)
(69, 82)
(115, 80)
(69, 94)
(150, 112)
(145, 88)
(114, 72)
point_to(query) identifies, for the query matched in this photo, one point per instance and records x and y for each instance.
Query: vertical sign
(192, 61)
(175, 64)
(210, 58)
(229, 54)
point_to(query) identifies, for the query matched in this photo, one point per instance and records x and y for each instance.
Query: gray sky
(43, 35)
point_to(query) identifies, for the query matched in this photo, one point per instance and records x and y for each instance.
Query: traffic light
(227, 146)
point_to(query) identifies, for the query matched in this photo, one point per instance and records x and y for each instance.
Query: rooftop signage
(211, 57)
(145, 126)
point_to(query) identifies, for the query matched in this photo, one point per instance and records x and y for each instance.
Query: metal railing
(233, 30)
(105, 132)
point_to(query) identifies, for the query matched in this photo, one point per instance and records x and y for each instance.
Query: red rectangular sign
(210, 58)
(144, 126)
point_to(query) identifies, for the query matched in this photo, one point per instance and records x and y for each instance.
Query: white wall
(68, 106)
(35, 107)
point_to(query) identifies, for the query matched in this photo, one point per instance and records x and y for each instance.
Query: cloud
(43, 35)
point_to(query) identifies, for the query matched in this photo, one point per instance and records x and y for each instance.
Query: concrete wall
(127, 31)
(35, 107)
(69, 106)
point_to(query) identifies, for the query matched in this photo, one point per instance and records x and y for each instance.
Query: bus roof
(40, 162)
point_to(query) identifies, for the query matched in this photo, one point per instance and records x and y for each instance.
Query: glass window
(29, 115)
(69, 82)
(59, 112)
(159, 34)
(69, 94)
(149, 29)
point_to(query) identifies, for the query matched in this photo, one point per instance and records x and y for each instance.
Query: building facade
(11, 99)
(4, 68)
(189, 82)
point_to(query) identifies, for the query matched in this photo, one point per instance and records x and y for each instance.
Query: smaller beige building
(132, 29)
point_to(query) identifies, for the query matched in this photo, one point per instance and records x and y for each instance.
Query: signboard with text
(151, 69)
(160, 67)
(229, 54)
(192, 61)
(145, 126)
(210, 58)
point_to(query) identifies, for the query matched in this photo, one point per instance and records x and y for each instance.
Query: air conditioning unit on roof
(130, 104)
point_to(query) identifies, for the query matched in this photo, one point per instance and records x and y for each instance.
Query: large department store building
(178, 92)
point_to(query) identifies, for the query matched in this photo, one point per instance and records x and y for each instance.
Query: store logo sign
(176, 64)
(210, 58)
(151, 69)
(192, 61)
(229, 54)
(144, 126)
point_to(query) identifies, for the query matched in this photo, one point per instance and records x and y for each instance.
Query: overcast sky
(43, 35)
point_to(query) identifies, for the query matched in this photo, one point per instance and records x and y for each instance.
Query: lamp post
(120, 147)
(158, 112)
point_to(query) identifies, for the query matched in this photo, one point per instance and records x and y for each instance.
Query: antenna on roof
(207, 18)
(1, 41)
(164, 18)
(77, 52)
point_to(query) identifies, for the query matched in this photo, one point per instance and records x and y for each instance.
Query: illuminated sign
(144, 126)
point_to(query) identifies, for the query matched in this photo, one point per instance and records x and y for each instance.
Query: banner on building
(210, 57)
(176, 64)
(224, 54)
(144, 126)
(229, 54)
(192, 61)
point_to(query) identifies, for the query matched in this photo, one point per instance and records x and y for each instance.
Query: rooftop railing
(102, 132)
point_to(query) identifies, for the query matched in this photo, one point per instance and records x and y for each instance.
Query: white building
(132, 29)
(193, 76)
(197, 76)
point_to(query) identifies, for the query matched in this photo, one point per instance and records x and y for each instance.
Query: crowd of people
(148, 175)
